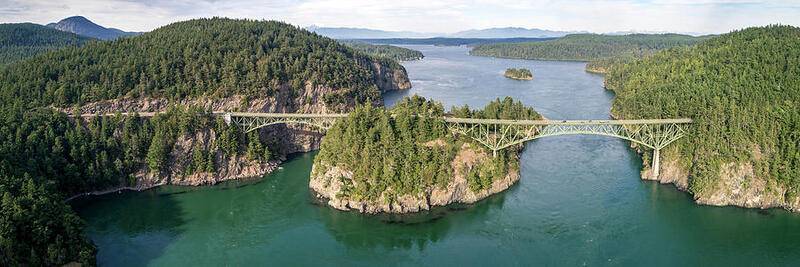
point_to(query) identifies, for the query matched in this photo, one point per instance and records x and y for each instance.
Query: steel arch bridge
(494, 134)
(253, 121)
(500, 134)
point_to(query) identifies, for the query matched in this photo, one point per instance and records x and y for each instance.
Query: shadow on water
(757, 236)
(406, 231)
(135, 226)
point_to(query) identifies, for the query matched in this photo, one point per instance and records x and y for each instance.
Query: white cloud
(426, 15)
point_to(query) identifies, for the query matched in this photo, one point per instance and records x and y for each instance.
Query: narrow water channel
(580, 202)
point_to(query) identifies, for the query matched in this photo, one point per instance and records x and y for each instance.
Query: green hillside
(203, 57)
(386, 51)
(22, 40)
(586, 47)
(743, 91)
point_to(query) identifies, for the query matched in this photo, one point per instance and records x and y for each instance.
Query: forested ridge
(385, 51)
(743, 91)
(586, 47)
(22, 40)
(602, 51)
(202, 57)
(408, 149)
(46, 156)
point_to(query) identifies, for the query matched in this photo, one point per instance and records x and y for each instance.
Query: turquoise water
(579, 202)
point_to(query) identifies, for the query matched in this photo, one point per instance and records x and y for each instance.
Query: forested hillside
(23, 40)
(401, 155)
(602, 51)
(586, 47)
(203, 57)
(387, 51)
(743, 91)
(46, 157)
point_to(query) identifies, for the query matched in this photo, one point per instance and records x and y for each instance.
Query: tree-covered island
(518, 74)
(404, 159)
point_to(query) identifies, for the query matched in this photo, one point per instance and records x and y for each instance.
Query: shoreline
(141, 188)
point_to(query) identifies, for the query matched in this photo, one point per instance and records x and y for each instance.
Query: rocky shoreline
(737, 184)
(326, 187)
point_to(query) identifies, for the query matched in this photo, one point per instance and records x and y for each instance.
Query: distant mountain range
(83, 26)
(511, 32)
(490, 33)
(362, 33)
(506, 32)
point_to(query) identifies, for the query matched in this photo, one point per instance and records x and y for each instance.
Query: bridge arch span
(578, 133)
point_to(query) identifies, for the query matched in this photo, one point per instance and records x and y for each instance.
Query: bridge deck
(447, 119)
(566, 122)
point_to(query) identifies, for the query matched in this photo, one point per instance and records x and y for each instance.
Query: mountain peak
(82, 26)
(77, 19)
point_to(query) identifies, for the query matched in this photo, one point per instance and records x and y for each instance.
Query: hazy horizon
(437, 17)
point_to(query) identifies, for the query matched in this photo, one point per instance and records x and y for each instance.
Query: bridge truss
(494, 134)
(252, 121)
(501, 134)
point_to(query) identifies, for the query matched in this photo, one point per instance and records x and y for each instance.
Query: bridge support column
(227, 118)
(656, 166)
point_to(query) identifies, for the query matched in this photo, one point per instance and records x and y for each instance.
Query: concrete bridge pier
(227, 118)
(656, 166)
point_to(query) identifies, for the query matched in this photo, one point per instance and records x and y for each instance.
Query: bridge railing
(567, 122)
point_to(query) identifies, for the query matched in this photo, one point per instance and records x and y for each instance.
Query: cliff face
(735, 185)
(310, 100)
(326, 184)
(226, 167)
(287, 139)
(389, 78)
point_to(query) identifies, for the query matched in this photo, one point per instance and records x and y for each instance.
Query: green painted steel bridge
(494, 134)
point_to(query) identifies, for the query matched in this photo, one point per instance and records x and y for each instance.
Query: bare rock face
(736, 185)
(327, 186)
(739, 186)
(390, 79)
(671, 173)
(226, 168)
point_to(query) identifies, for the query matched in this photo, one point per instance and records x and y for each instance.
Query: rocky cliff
(326, 184)
(285, 139)
(736, 185)
(390, 76)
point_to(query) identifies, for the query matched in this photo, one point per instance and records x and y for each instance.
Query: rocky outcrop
(388, 78)
(735, 185)
(326, 184)
(287, 138)
(670, 173)
(177, 171)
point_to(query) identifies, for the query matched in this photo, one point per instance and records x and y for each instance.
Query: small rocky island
(405, 160)
(519, 74)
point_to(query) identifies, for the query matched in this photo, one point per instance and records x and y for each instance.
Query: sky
(431, 16)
